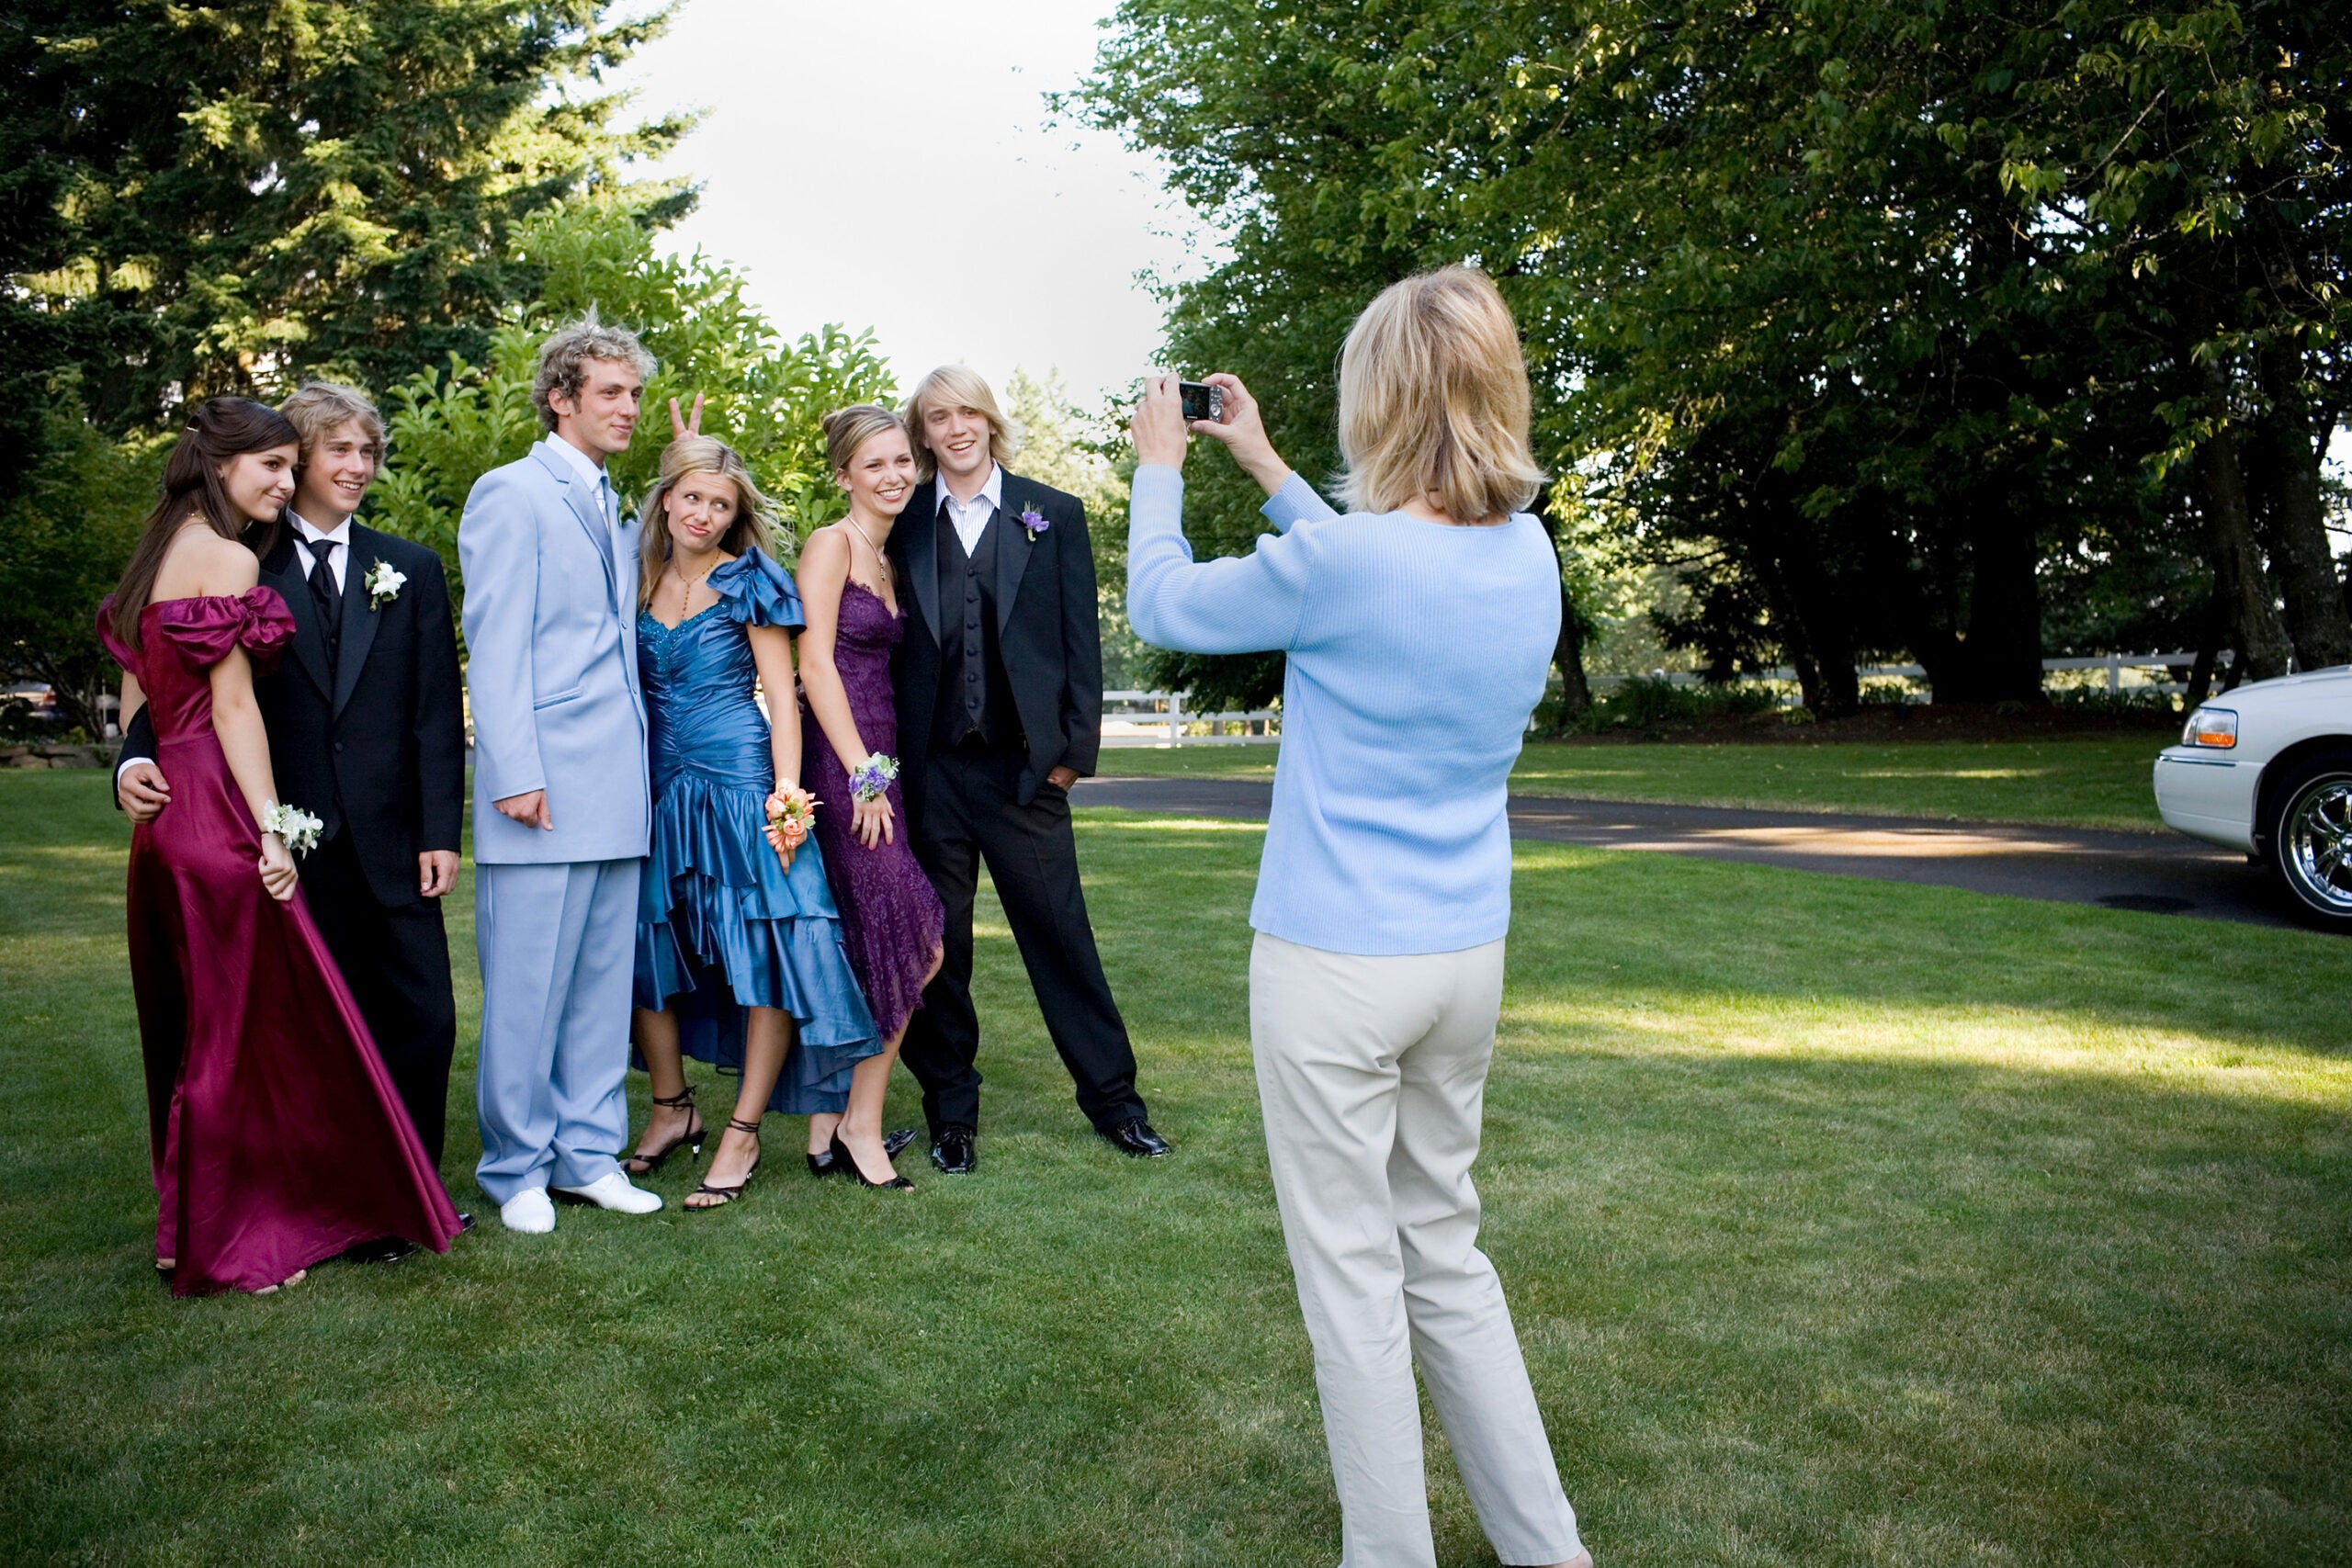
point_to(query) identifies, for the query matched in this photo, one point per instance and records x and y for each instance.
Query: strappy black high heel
(893, 1143)
(727, 1195)
(646, 1165)
(846, 1162)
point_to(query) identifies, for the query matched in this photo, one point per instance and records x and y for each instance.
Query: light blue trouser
(559, 947)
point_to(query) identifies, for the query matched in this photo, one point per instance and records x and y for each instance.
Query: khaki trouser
(1372, 1074)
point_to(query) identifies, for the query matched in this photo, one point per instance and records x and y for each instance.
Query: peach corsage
(792, 814)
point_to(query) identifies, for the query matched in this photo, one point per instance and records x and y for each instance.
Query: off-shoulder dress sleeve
(203, 630)
(115, 649)
(755, 592)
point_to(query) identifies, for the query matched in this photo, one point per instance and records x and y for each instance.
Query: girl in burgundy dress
(277, 1137)
(892, 919)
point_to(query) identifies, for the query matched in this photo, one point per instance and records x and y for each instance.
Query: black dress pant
(971, 814)
(396, 961)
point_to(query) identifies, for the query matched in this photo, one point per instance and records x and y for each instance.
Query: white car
(2268, 769)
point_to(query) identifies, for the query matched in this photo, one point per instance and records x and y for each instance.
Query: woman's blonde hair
(1433, 401)
(848, 429)
(699, 454)
(958, 387)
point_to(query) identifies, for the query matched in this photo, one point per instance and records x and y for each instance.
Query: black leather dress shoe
(386, 1250)
(465, 1221)
(1136, 1137)
(956, 1151)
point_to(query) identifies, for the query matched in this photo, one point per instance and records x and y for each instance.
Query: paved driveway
(2161, 873)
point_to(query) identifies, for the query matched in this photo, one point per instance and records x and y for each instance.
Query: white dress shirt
(593, 472)
(340, 534)
(971, 517)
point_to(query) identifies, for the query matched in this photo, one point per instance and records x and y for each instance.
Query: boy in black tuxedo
(999, 706)
(366, 731)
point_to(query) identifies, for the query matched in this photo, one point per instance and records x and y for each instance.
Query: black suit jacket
(1048, 630)
(385, 737)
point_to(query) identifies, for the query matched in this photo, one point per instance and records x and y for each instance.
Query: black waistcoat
(974, 698)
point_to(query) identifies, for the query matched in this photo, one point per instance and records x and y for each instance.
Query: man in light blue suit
(561, 809)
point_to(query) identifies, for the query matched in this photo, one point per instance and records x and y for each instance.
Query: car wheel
(2310, 837)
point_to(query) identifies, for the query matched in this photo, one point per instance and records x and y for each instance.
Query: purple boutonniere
(1034, 521)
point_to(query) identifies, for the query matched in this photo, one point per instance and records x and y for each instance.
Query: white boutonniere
(384, 584)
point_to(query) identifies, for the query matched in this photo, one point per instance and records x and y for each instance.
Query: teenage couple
(297, 1044)
(649, 862)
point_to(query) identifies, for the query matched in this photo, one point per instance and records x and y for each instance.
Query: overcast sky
(891, 167)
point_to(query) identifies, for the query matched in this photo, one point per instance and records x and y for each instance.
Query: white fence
(2114, 664)
(1161, 718)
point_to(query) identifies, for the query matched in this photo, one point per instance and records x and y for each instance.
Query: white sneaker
(529, 1211)
(614, 1190)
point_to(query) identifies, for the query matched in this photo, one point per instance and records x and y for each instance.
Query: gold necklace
(687, 588)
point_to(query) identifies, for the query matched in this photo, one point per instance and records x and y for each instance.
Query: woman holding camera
(1419, 629)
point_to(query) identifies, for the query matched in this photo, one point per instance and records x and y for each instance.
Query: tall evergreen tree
(220, 198)
(204, 198)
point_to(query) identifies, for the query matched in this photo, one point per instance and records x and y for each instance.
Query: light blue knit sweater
(1416, 652)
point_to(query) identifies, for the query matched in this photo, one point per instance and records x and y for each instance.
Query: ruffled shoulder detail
(204, 629)
(755, 592)
(115, 649)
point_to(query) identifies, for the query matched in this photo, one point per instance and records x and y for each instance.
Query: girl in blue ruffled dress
(739, 945)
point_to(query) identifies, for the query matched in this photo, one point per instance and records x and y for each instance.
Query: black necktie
(326, 595)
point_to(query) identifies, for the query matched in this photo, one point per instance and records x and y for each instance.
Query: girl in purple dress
(891, 920)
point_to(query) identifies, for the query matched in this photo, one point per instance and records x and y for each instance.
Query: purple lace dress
(891, 921)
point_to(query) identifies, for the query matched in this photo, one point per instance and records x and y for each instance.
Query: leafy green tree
(1860, 315)
(65, 534)
(203, 198)
(764, 396)
(220, 198)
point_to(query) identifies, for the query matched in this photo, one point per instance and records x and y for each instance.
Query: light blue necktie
(609, 510)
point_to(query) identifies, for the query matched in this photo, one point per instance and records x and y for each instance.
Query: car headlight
(2216, 728)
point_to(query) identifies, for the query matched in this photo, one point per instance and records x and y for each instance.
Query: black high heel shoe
(893, 1142)
(727, 1195)
(846, 1162)
(646, 1165)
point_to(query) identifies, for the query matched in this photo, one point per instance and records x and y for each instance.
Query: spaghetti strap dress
(891, 918)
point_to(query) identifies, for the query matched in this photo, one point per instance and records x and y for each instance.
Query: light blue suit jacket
(551, 666)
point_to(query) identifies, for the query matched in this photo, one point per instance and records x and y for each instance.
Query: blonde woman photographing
(1418, 630)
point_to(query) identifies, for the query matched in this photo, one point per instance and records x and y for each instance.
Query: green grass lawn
(2099, 782)
(1845, 1223)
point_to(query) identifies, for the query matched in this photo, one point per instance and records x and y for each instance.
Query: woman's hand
(871, 821)
(1158, 427)
(277, 873)
(1243, 431)
(777, 842)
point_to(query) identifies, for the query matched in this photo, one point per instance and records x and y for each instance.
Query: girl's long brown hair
(220, 429)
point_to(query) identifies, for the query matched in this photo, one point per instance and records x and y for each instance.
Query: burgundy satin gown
(276, 1136)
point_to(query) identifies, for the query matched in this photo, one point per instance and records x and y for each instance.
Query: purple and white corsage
(871, 779)
(1034, 521)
